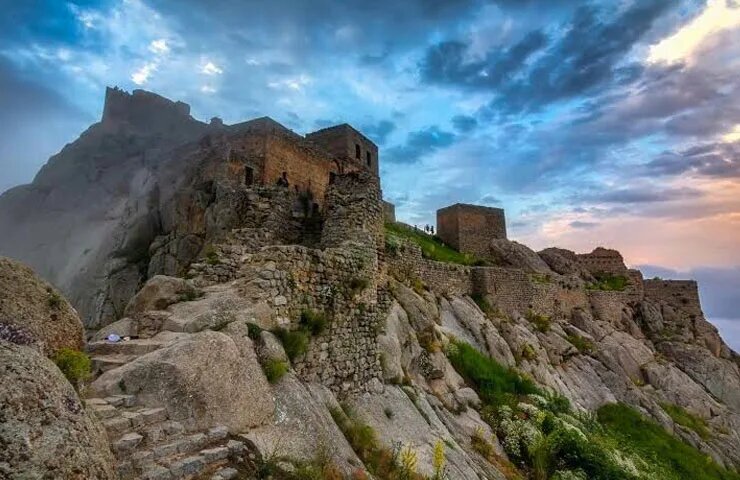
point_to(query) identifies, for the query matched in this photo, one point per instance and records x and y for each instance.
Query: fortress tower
(343, 142)
(470, 228)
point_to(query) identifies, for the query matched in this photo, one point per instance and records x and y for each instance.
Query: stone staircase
(148, 445)
(108, 355)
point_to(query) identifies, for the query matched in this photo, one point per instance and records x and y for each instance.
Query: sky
(613, 122)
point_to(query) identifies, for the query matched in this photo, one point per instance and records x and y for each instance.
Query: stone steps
(103, 363)
(136, 347)
(147, 444)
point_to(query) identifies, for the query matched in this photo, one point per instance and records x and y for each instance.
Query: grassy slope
(431, 247)
(656, 453)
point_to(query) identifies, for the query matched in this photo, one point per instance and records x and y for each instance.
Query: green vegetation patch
(295, 342)
(382, 462)
(609, 283)
(582, 344)
(541, 322)
(75, 365)
(491, 380)
(431, 247)
(687, 419)
(314, 321)
(673, 458)
(274, 370)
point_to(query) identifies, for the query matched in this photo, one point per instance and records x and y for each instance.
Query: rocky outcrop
(34, 306)
(45, 430)
(158, 293)
(202, 379)
(508, 253)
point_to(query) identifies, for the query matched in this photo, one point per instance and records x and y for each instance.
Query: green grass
(672, 458)
(314, 321)
(490, 379)
(541, 322)
(75, 365)
(687, 419)
(609, 283)
(431, 247)
(274, 370)
(295, 342)
(582, 344)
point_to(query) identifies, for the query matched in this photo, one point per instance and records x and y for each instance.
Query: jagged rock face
(203, 380)
(86, 221)
(45, 430)
(34, 306)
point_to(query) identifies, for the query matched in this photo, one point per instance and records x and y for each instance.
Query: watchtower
(470, 228)
(355, 150)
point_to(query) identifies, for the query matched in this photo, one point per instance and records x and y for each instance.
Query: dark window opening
(369, 159)
(358, 153)
(332, 177)
(315, 209)
(283, 180)
(248, 175)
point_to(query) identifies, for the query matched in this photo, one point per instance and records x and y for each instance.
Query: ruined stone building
(470, 228)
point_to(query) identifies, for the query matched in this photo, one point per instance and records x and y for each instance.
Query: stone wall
(682, 294)
(470, 228)
(348, 145)
(515, 291)
(405, 262)
(603, 260)
(389, 212)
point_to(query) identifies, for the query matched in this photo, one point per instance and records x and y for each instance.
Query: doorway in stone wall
(248, 175)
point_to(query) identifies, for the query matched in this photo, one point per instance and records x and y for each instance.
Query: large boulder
(202, 379)
(36, 307)
(508, 253)
(45, 432)
(158, 293)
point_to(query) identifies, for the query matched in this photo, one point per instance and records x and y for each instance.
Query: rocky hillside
(264, 340)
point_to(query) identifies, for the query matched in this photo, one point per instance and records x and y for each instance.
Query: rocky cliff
(268, 340)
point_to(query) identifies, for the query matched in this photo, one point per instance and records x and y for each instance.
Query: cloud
(464, 123)
(209, 68)
(379, 132)
(420, 143)
(36, 121)
(638, 195)
(580, 224)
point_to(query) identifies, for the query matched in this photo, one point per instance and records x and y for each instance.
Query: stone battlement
(140, 106)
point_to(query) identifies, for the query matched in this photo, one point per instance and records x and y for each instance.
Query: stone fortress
(209, 244)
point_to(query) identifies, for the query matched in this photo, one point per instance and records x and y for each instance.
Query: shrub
(687, 419)
(582, 344)
(491, 380)
(609, 283)
(528, 352)
(417, 284)
(211, 255)
(380, 461)
(75, 365)
(674, 458)
(388, 412)
(295, 342)
(54, 300)
(254, 331)
(483, 304)
(274, 370)
(439, 461)
(541, 322)
(314, 321)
